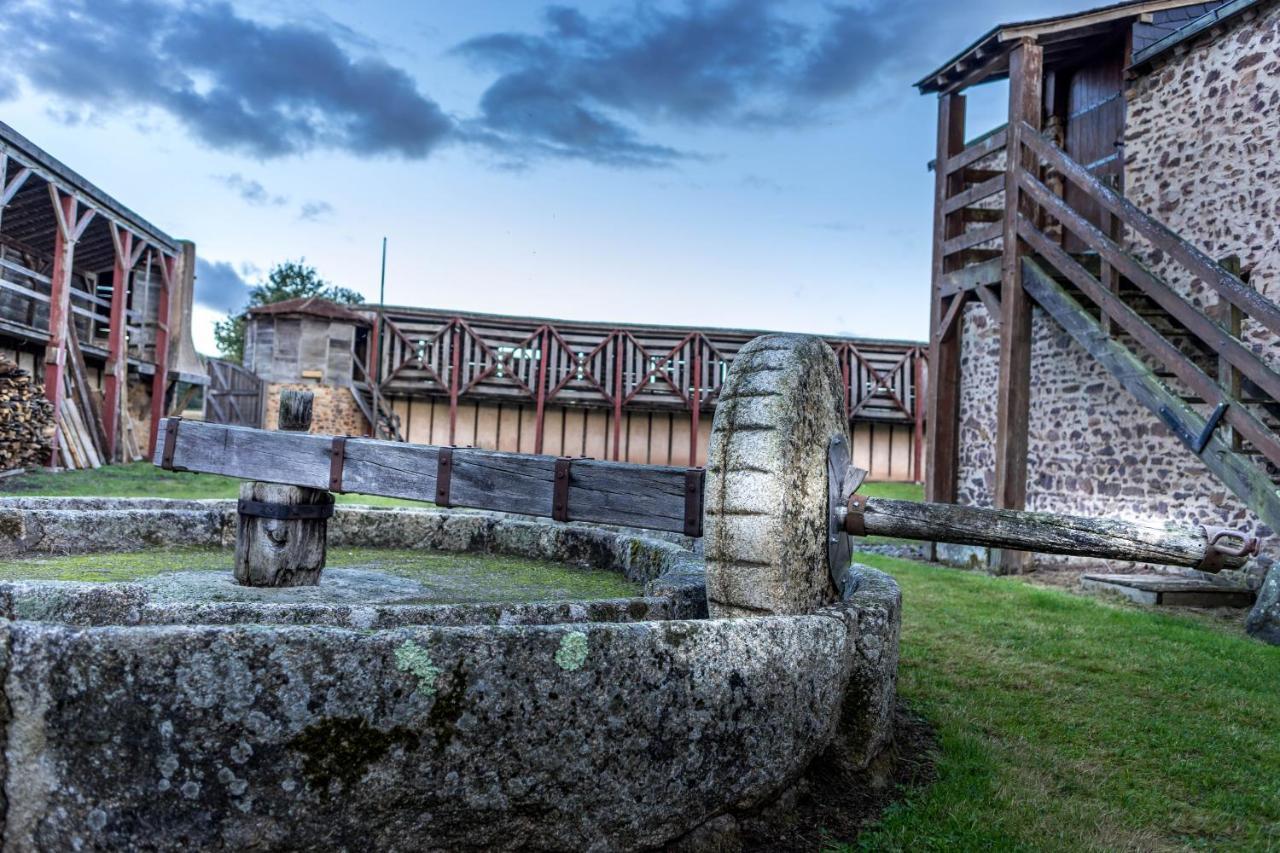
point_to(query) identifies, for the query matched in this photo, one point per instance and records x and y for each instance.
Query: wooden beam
(944, 350)
(652, 497)
(974, 194)
(1013, 401)
(160, 379)
(972, 277)
(985, 147)
(973, 237)
(55, 355)
(1239, 474)
(117, 371)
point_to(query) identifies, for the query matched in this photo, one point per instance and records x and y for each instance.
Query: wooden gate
(234, 396)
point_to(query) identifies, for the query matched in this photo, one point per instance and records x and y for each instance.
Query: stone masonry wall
(334, 411)
(1202, 156)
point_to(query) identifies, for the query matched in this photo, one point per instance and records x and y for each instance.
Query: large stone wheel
(767, 509)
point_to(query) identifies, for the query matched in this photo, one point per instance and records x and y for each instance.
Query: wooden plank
(575, 422)
(509, 429)
(645, 496)
(637, 438)
(1235, 291)
(1013, 396)
(1240, 475)
(528, 429)
(553, 431)
(973, 237)
(1165, 353)
(974, 194)
(486, 428)
(1214, 335)
(978, 151)
(972, 277)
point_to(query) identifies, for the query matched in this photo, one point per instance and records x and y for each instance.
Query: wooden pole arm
(1049, 533)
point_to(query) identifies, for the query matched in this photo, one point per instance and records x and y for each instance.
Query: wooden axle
(1204, 548)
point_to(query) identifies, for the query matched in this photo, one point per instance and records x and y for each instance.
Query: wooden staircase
(1191, 366)
(385, 423)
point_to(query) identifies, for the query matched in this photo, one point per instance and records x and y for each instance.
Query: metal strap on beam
(694, 480)
(444, 476)
(170, 443)
(560, 491)
(337, 460)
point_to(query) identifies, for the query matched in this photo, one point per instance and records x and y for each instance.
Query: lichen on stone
(572, 653)
(415, 660)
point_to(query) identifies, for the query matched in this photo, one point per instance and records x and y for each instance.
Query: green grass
(451, 577)
(1068, 722)
(894, 491)
(144, 480)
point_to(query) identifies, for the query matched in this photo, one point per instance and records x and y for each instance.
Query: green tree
(287, 280)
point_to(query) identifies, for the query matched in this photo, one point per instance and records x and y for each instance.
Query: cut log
(281, 529)
(1042, 532)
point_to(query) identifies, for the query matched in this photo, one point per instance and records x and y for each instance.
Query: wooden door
(1095, 127)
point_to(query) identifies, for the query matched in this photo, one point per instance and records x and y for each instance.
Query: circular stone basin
(176, 711)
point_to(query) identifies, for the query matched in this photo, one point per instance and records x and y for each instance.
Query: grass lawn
(1068, 722)
(144, 480)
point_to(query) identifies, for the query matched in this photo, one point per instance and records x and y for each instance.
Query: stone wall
(1203, 156)
(334, 411)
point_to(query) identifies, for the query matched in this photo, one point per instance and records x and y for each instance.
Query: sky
(717, 163)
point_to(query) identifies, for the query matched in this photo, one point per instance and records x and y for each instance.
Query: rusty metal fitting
(855, 515)
(1217, 547)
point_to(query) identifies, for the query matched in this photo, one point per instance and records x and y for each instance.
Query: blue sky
(733, 163)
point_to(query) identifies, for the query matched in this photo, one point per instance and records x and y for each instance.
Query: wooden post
(944, 350)
(917, 438)
(282, 551)
(1026, 82)
(695, 401)
(126, 257)
(70, 225)
(160, 380)
(1232, 319)
(541, 412)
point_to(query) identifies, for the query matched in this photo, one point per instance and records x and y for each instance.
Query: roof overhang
(987, 59)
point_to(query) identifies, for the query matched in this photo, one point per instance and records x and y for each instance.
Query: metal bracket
(285, 512)
(560, 491)
(694, 478)
(843, 479)
(337, 459)
(1196, 442)
(1216, 550)
(170, 442)
(444, 475)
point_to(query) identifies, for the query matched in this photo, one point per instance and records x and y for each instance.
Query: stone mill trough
(299, 707)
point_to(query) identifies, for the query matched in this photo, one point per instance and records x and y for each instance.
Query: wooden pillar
(117, 372)
(273, 551)
(1026, 99)
(455, 362)
(695, 401)
(160, 381)
(373, 371)
(70, 225)
(619, 392)
(944, 350)
(540, 414)
(917, 438)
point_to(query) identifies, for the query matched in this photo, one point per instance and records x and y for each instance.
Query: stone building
(311, 344)
(1106, 270)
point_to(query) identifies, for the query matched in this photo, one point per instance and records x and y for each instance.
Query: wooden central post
(272, 551)
(1026, 99)
(944, 350)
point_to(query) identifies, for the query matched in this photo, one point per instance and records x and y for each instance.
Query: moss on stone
(572, 653)
(341, 749)
(452, 578)
(415, 660)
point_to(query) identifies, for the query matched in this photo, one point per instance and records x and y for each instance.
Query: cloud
(314, 210)
(251, 191)
(268, 90)
(219, 287)
(576, 90)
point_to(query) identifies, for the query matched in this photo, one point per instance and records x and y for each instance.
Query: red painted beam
(117, 363)
(55, 355)
(160, 382)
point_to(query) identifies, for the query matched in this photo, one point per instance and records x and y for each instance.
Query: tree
(287, 280)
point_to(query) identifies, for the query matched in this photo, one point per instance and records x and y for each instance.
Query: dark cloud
(251, 191)
(219, 287)
(575, 89)
(237, 84)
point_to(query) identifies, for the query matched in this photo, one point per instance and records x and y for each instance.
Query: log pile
(26, 419)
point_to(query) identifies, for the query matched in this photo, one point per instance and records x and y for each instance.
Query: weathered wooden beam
(1013, 399)
(1041, 532)
(974, 237)
(1239, 474)
(647, 496)
(974, 194)
(971, 277)
(944, 350)
(979, 150)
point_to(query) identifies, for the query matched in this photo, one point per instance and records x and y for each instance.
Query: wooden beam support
(160, 381)
(1013, 402)
(652, 497)
(117, 371)
(55, 355)
(944, 349)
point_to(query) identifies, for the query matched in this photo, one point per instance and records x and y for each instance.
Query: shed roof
(312, 306)
(987, 59)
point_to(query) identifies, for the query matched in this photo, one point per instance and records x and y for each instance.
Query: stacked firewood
(26, 419)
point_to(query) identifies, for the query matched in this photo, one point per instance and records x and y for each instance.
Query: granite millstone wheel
(767, 519)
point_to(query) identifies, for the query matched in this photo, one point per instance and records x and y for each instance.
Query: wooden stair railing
(1130, 359)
